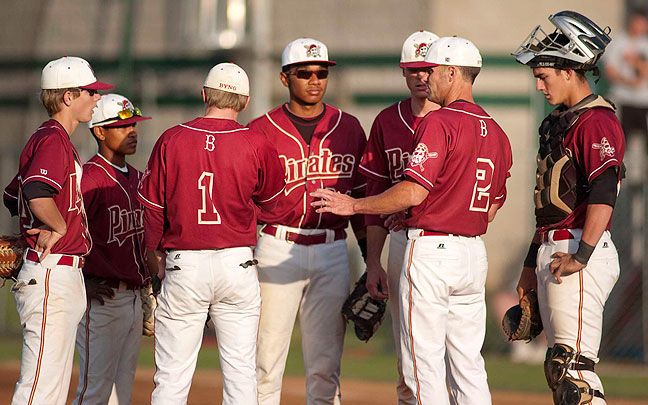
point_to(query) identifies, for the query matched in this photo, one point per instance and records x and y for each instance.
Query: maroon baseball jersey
(596, 142)
(462, 157)
(331, 161)
(50, 157)
(207, 176)
(388, 150)
(115, 219)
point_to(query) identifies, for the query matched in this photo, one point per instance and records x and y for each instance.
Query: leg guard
(567, 390)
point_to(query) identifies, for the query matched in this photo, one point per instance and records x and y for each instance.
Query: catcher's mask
(576, 43)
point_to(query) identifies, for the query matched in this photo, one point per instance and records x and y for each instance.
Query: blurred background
(158, 53)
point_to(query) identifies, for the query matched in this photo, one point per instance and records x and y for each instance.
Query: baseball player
(110, 332)
(455, 182)
(50, 295)
(572, 261)
(383, 163)
(203, 186)
(303, 264)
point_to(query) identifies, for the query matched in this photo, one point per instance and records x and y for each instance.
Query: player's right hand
(47, 238)
(528, 281)
(95, 290)
(377, 282)
(394, 222)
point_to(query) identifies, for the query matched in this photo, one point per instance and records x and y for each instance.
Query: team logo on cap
(421, 154)
(313, 51)
(421, 49)
(604, 148)
(125, 105)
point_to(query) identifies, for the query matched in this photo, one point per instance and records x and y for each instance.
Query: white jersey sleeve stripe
(47, 179)
(151, 204)
(418, 176)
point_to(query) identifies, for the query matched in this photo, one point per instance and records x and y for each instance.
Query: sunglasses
(307, 74)
(124, 115)
(91, 92)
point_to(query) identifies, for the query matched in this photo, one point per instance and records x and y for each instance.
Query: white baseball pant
(198, 282)
(108, 342)
(50, 308)
(312, 281)
(572, 312)
(397, 246)
(443, 318)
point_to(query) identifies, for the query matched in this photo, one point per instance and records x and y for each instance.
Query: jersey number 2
(207, 214)
(481, 192)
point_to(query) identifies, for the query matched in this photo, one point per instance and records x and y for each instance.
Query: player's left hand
(394, 222)
(333, 202)
(96, 290)
(564, 264)
(47, 238)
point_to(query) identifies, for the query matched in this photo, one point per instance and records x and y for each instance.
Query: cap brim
(97, 86)
(419, 64)
(313, 62)
(128, 121)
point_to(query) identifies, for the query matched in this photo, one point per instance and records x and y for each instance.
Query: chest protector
(560, 184)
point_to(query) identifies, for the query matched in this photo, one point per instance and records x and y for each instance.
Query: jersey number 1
(207, 214)
(481, 192)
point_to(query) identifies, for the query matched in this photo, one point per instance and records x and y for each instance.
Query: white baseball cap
(113, 110)
(453, 51)
(415, 48)
(70, 72)
(305, 51)
(228, 77)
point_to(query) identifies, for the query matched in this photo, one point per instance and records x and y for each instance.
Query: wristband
(583, 253)
(362, 244)
(532, 255)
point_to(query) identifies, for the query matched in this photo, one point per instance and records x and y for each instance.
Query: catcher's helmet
(576, 43)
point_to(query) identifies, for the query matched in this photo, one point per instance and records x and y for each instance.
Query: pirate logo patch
(421, 154)
(604, 148)
(421, 49)
(312, 51)
(126, 105)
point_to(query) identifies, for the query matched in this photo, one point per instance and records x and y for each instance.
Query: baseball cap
(69, 72)
(415, 48)
(453, 51)
(305, 51)
(113, 110)
(228, 77)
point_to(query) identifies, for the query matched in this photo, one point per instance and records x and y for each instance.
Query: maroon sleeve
(603, 144)
(91, 193)
(153, 228)
(45, 164)
(374, 188)
(427, 159)
(373, 164)
(359, 179)
(152, 191)
(272, 180)
(10, 196)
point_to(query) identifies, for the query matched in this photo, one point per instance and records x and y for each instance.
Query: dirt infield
(206, 389)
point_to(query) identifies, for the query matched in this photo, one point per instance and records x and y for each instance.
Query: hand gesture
(47, 238)
(564, 264)
(333, 202)
(528, 281)
(377, 282)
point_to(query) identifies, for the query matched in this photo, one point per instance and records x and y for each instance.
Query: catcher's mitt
(149, 303)
(522, 322)
(12, 249)
(365, 312)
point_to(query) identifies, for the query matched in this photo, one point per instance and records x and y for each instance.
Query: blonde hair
(224, 99)
(53, 98)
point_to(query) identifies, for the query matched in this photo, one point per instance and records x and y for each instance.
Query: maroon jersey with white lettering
(115, 219)
(208, 176)
(596, 142)
(331, 161)
(462, 157)
(50, 157)
(386, 156)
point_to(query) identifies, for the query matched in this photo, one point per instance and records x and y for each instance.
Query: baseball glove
(149, 303)
(365, 312)
(522, 322)
(12, 249)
